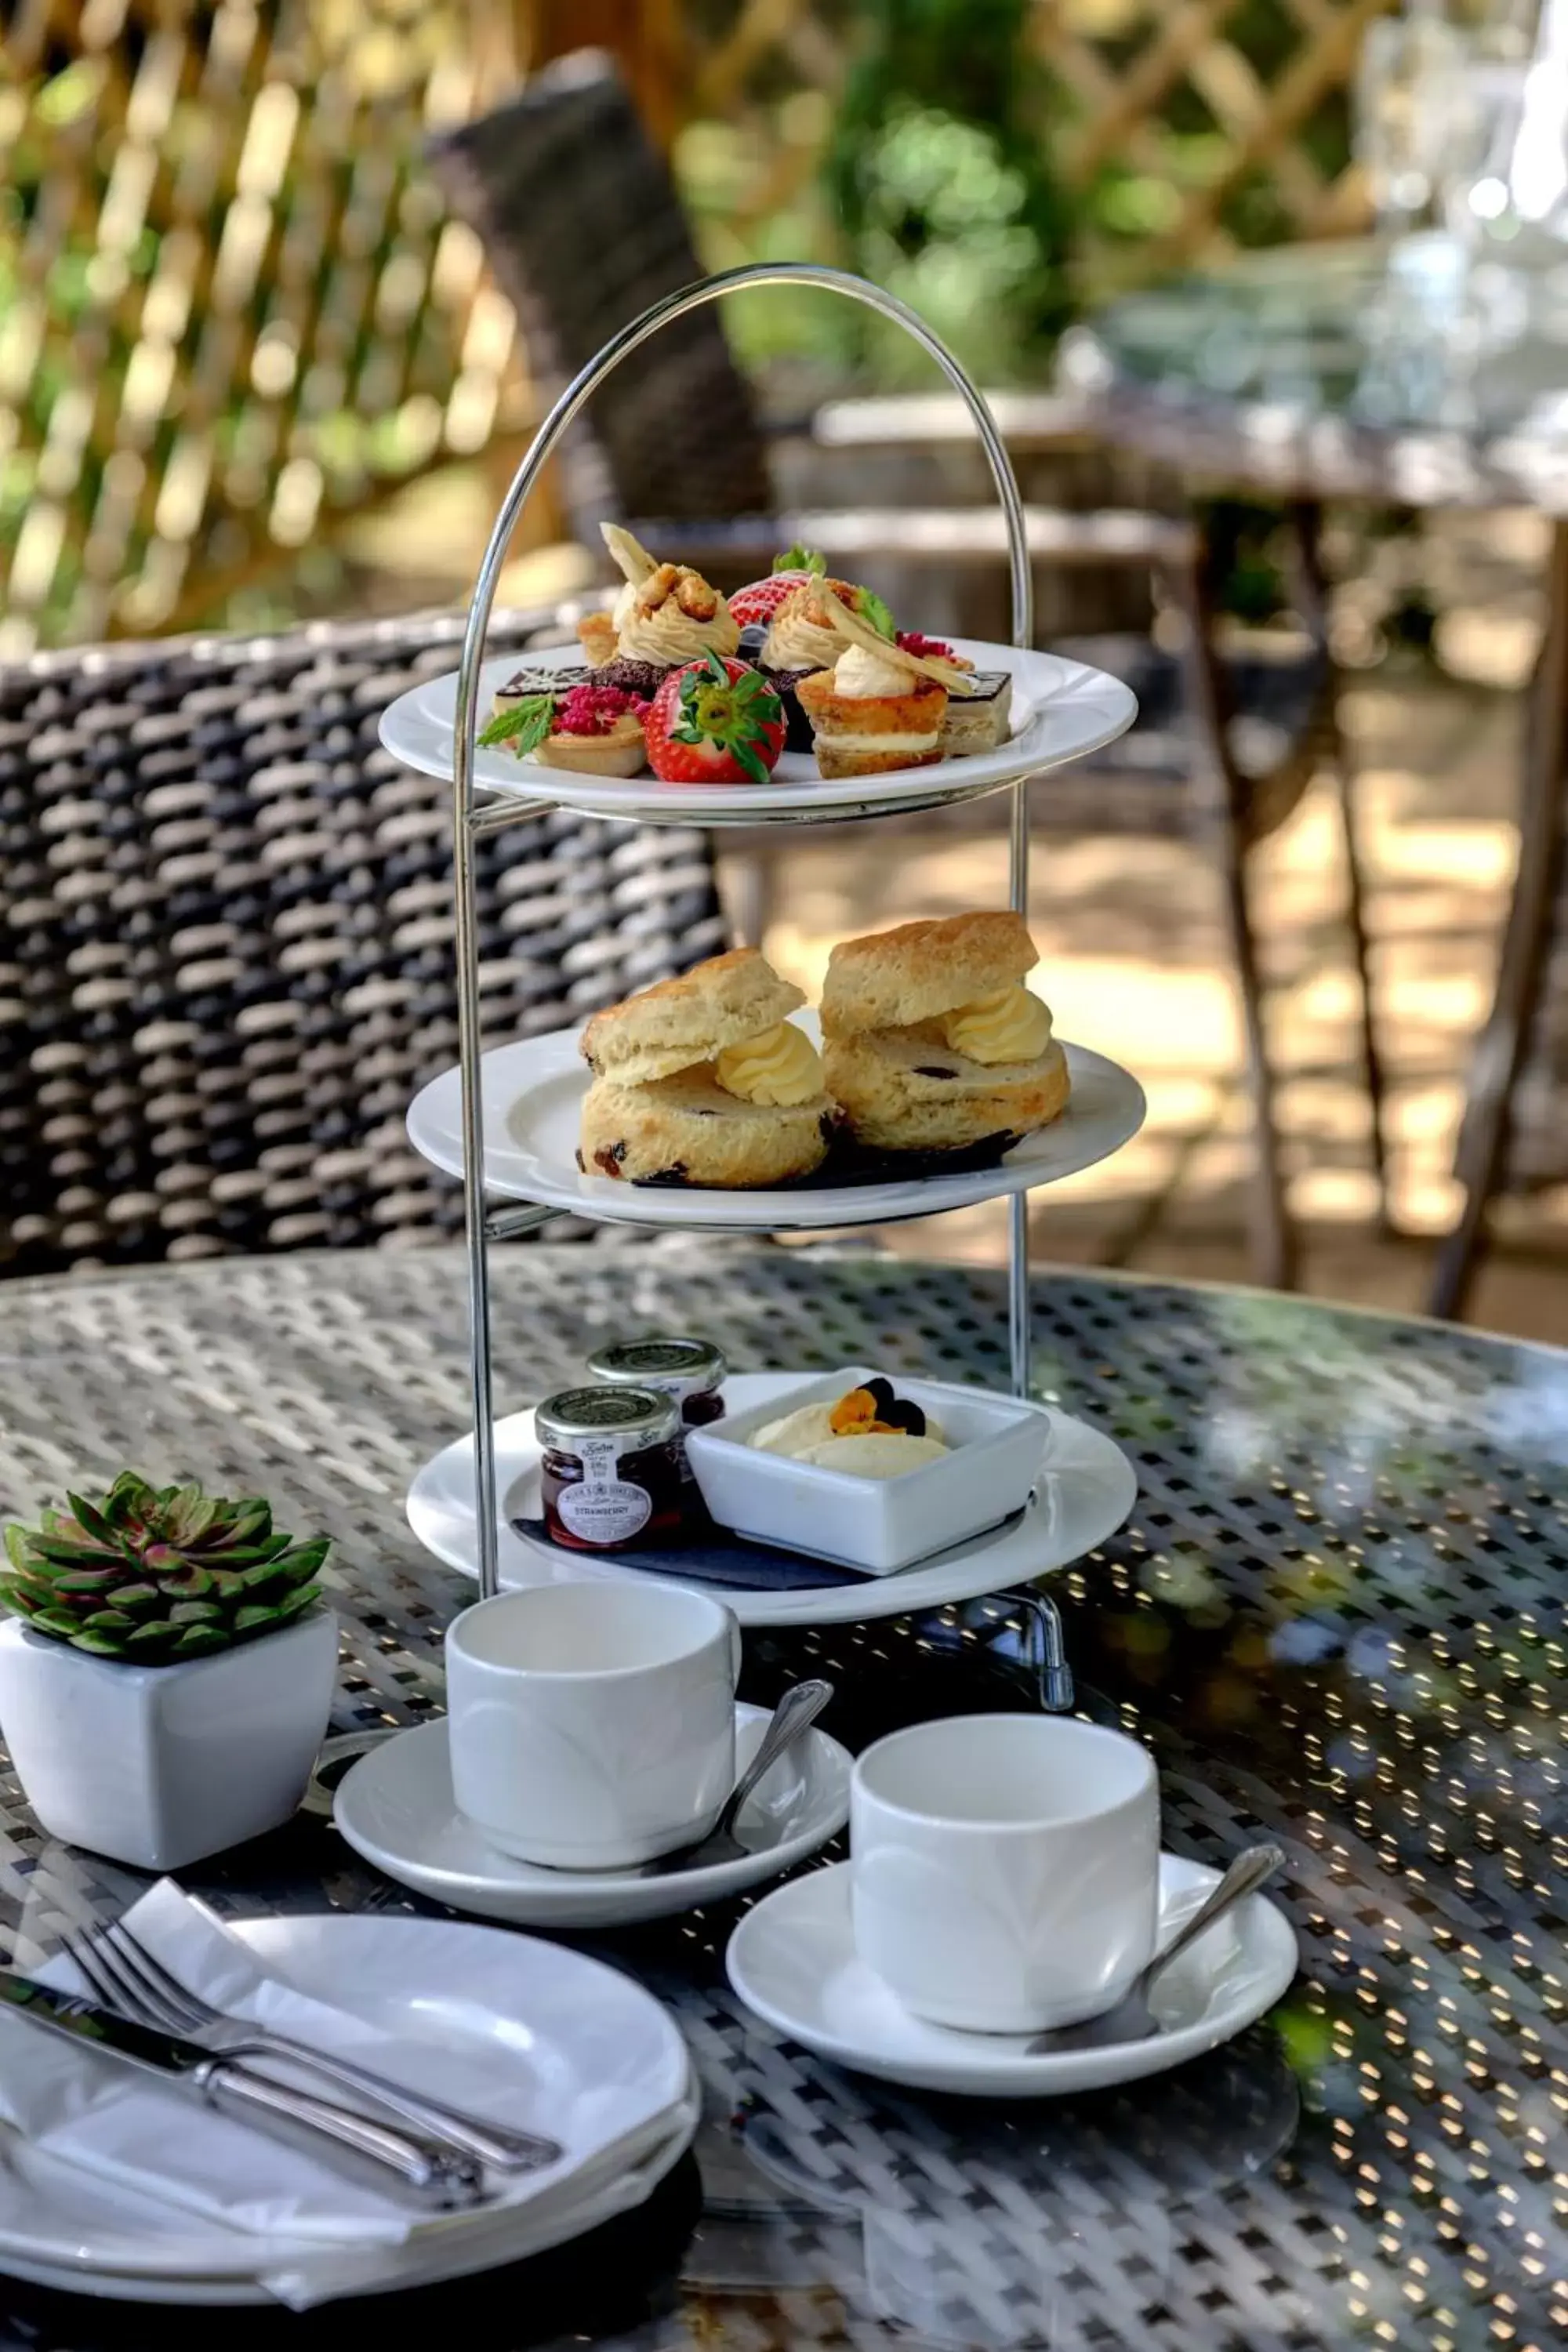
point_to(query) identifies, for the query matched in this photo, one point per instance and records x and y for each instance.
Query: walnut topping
(692, 594)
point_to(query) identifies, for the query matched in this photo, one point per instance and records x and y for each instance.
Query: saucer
(397, 1809)
(793, 1961)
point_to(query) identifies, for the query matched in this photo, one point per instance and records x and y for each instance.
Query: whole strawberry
(714, 722)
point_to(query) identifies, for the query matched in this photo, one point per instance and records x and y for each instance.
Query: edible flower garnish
(875, 1411)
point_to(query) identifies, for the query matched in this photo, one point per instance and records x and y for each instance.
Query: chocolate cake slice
(978, 721)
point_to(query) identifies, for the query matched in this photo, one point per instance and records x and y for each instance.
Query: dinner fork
(125, 1976)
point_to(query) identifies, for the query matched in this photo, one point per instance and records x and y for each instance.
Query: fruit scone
(704, 1080)
(931, 1042)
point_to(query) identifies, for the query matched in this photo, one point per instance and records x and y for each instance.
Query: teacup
(592, 1725)
(1006, 1869)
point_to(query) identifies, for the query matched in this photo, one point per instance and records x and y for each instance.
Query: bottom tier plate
(1086, 1491)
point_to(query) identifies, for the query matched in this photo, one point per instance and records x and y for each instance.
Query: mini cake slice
(931, 1042)
(704, 1081)
(879, 707)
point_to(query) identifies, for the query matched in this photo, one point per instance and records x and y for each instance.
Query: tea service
(1006, 1888)
(589, 1770)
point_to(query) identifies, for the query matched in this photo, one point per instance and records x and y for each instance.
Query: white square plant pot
(160, 1765)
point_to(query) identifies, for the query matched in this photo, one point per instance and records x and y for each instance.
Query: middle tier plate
(533, 1107)
(1086, 1488)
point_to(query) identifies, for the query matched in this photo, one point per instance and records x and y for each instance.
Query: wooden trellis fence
(232, 311)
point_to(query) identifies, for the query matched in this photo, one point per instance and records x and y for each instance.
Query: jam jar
(689, 1371)
(612, 1470)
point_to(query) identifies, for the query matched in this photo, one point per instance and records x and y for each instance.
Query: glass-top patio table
(1337, 1615)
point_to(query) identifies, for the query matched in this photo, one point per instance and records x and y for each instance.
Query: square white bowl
(998, 1450)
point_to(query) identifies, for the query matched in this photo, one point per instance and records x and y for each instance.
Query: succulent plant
(157, 1574)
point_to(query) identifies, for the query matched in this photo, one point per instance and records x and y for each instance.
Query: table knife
(439, 2175)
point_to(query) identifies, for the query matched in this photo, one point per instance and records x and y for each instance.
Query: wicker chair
(227, 959)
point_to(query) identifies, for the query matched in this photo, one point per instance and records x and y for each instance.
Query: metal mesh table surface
(1336, 1614)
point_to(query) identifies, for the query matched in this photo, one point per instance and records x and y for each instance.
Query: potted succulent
(166, 1676)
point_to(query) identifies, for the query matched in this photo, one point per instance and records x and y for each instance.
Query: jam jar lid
(639, 1416)
(687, 1364)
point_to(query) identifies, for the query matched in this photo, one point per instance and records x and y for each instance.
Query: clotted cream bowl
(997, 1449)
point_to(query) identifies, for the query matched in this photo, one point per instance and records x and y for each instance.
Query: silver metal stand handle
(469, 821)
(436, 2175)
(486, 2143)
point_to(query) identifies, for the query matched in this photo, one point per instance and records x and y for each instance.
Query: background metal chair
(226, 959)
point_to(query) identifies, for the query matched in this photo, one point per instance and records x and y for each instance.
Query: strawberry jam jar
(611, 1475)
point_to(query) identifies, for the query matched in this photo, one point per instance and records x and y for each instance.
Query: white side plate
(1087, 1489)
(585, 2029)
(532, 1111)
(1061, 710)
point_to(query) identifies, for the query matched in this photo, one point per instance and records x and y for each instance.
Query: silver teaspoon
(795, 1712)
(1133, 2019)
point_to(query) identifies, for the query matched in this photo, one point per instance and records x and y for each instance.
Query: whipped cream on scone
(931, 1042)
(704, 1080)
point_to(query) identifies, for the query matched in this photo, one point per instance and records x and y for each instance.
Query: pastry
(931, 1043)
(665, 614)
(880, 707)
(704, 1080)
(978, 720)
(594, 729)
(787, 646)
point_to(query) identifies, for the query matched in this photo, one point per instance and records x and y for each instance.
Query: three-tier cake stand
(447, 748)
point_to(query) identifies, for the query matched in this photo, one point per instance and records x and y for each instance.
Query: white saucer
(1087, 1488)
(1061, 710)
(533, 1094)
(395, 1808)
(793, 1960)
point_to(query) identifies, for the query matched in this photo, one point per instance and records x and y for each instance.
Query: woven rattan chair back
(583, 228)
(225, 954)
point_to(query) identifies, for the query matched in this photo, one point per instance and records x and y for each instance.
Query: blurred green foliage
(939, 170)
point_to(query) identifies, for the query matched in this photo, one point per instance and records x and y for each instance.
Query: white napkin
(162, 2145)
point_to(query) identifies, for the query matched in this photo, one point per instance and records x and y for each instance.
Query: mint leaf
(524, 725)
(871, 608)
(801, 559)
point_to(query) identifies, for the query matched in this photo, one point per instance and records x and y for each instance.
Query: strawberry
(761, 600)
(794, 569)
(714, 722)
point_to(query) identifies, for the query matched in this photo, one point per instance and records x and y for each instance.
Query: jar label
(603, 1507)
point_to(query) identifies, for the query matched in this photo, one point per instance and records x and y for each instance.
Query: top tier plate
(1061, 710)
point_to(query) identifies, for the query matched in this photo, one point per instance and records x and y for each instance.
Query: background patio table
(1337, 1613)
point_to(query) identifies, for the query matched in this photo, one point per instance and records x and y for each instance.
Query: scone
(931, 1043)
(704, 1080)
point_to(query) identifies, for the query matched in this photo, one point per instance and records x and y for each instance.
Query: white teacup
(592, 1725)
(1007, 1868)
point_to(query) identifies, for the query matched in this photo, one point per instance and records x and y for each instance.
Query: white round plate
(76, 2270)
(1061, 710)
(532, 1094)
(793, 1960)
(1087, 1488)
(397, 1809)
(594, 2058)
